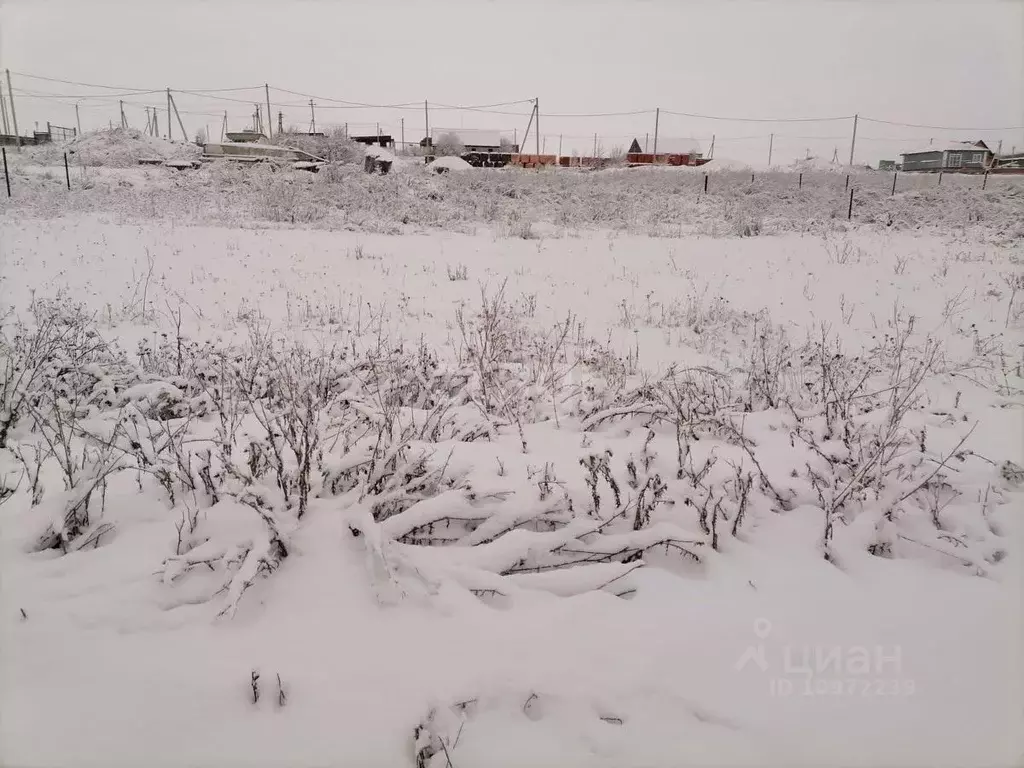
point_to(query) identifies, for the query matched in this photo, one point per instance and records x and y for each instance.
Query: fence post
(705, 181)
(849, 211)
(67, 173)
(800, 183)
(751, 178)
(940, 179)
(847, 182)
(894, 175)
(985, 180)
(7, 178)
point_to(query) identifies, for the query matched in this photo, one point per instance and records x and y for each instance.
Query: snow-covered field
(482, 494)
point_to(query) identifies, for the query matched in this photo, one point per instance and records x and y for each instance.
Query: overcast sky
(934, 63)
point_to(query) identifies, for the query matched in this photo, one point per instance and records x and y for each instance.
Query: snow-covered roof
(473, 137)
(952, 146)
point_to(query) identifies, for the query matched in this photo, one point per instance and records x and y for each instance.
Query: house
(383, 140)
(951, 156)
(475, 140)
(666, 146)
(887, 165)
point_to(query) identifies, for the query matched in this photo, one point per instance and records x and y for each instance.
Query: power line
(759, 119)
(332, 103)
(941, 127)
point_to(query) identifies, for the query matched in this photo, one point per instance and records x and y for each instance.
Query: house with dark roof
(950, 157)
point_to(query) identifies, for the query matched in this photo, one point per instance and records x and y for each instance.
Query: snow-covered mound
(117, 148)
(812, 163)
(443, 164)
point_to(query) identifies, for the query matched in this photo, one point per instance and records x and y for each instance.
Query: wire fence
(777, 140)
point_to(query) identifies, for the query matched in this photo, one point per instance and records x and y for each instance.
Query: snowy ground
(896, 641)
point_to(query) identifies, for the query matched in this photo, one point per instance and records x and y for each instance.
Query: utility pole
(266, 89)
(280, 123)
(3, 114)
(711, 153)
(426, 125)
(184, 135)
(595, 145)
(78, 120)
(559, 147)
(657, 119)
(536, 136)
(771, 141)
(853, 141)
(169, 137)
(647, 138)
(403, 134)
(312, 117)
(156, 123)
(124, 120)
(14, 114)
(224, 126)
(149, 124)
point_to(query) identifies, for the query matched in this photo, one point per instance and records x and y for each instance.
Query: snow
(116, 148)
(480, 642)
(451, 163)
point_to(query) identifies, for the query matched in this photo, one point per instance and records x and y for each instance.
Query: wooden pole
(169, 138)
(3, 114)
(712, 153)
(771, 141)
(657, 119)
(184, 135)
(7, 177)
(402, 123)
(270, 132)
(940, 179)
(526, 135)
(536, 136)
(800, 182)
(78, 120)
(849, 211)
(847, 182)
(595, 145)
(14, 114)
(312, 117)
(853, 140)
(426, 126)
(894, 175)
(67, 172)
(156, 123)
(705, 182)
(559, 147)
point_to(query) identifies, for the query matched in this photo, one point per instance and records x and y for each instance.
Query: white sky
(935, 62)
